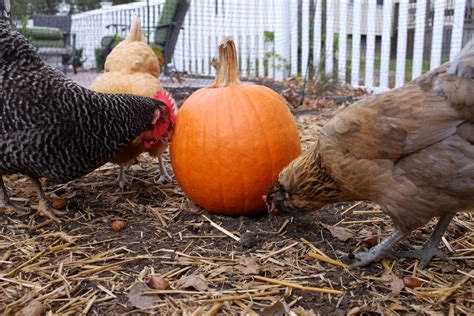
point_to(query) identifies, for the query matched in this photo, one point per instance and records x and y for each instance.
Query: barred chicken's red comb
(165, 97)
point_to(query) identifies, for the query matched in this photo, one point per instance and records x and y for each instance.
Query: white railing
(350, 39)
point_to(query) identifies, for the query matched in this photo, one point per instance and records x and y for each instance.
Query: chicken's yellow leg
(44, 206)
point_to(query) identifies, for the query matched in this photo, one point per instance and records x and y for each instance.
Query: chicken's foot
(122, 180)
(5, 203)
(44, 206)
(164, 176)
(430, 248)
(379, 251)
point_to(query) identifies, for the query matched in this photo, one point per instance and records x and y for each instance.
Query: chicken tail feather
(136, 33)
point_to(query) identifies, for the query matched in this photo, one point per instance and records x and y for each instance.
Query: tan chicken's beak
(271, 207)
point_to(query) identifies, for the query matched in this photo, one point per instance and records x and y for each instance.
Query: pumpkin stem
(228, 72)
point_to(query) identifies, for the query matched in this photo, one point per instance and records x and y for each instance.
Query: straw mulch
(215, 265)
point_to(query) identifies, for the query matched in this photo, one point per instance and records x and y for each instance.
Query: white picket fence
(91, 26)
(267, 36)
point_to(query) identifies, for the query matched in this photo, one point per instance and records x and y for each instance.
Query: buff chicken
(410, 150)
(133, 67)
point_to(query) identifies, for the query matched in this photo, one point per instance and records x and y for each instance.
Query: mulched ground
(217, 265)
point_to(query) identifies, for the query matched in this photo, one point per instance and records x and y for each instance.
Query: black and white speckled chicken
(51, 127)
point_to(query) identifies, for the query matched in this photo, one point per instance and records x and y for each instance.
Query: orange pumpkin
(231, 140)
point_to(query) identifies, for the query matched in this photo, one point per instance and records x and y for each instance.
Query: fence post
(458, 26)
(419, 41)
(282, 39)
(385, 53)
(293, 17)
(305, 37)
(105, 7)
(437, 41)
(401, 42)
(370, 46)
(355, 58)
(261, 38)
(270, 44)
(200, 38)
(342, 54)
(191, 16)
(317, 35)
(329, 37)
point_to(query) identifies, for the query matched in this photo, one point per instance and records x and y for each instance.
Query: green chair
(167, 31)
(52, 35)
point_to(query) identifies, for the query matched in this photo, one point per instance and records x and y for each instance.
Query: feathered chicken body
(410, 150)
(51, 127)
(132, 67)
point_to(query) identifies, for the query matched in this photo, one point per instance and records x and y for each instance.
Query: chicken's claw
(8, 207)
(430, 248)
(122, 181)
(424, 254)
(365, 258)
(164, 176)
(378, 252)
(45, 208)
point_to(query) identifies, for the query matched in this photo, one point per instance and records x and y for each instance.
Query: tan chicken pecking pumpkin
(410, 150)
(133, 68)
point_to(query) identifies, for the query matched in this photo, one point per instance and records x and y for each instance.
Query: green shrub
(101, 53)
(79, 58)
(100, 57)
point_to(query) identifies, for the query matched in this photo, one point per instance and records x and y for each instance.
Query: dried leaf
(249, 266)
(197, 282)
(396, 284)
(34, 308)
(364, 232)
(138, 299)
(300, 311)
(359, 309)
(276, 309)
(340, 233)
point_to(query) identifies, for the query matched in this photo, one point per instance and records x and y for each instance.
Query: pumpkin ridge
(216, 129)
(243, 181)
(185, 140)
(184, 156)
(263, 130)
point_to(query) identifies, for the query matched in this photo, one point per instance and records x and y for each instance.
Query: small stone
(412, 282)
(118, 225)
(158, 283)
(58, 203)
(370, 242)
(248, 240)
